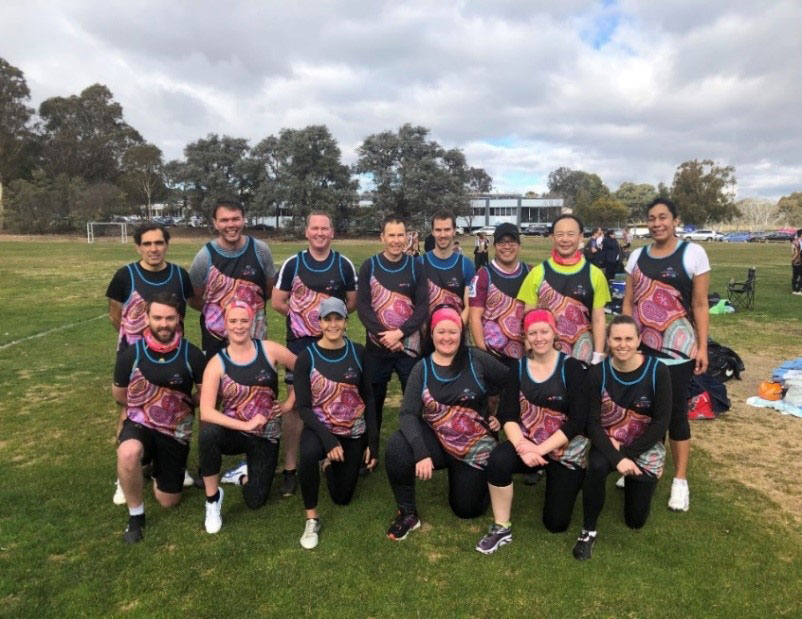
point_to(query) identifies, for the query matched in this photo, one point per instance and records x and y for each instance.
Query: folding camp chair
(742, 294)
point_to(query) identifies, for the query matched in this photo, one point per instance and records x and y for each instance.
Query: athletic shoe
(584, 546)
(531, 479)
(232, 476)
(680, 499)
(310, 537)
(497, 536)
(289, 483)
(119, 496)
(402, 525)
(134, 531)
(214, 520)
(621, 482)
(188, 479)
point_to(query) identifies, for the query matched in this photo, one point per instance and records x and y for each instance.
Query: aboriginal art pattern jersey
(392, 299)
(249, 389)
(502, 321)
(133, 287)
(570, 299)
(662, 291)
(544, 409)
(453, 409)
(310, 282)
(447, 279)
(334, 383)
(159, 386)
(241, 277)
(627, 410)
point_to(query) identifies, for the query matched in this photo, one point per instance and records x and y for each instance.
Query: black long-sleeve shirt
(489, 370)
(660, 413)
(303, 398)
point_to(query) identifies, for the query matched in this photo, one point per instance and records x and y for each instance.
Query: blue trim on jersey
(136, 358)
(444, 380)
(231, 255)
(150, 283)
(340, 265)
(186, 356)
(647, 367)
(181, 283)
(332, 256)
(147, 354)
(429, 256)
(133, 282)
(473, 371)
(353, 352)
(386, 270)
(562, 370)
(425, 377)
(521, 270)
(654, 377)
(554, 369)
(242, 365)
(315, 349)
(521, 369)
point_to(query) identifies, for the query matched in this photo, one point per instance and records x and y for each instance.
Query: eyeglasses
(508, 242)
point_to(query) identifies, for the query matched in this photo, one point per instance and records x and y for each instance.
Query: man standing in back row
(573, 289)
(233, 266)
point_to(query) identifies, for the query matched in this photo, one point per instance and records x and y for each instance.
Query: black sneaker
(289, 483)
(497, 536)
(402, 525)
(531, 479)
(134, 531)
(584, 546)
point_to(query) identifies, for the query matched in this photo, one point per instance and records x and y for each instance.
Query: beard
(164, 335)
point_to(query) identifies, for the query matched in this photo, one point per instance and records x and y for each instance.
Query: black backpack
(723, 363)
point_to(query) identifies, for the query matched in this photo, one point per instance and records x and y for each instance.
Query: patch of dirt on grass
(128, 607)
(756, 447)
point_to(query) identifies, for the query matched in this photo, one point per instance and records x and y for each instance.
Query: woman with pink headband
(444, 423)
(245, 377)
(543, 410)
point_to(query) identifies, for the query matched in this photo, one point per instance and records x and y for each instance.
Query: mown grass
(61, 552)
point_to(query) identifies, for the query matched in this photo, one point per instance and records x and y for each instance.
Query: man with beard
(393, 304)
(304, 282)
(573, 289)
(448, 272)
(153, 381)
(134, 285)
(233, 266)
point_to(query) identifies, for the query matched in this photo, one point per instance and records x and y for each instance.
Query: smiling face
(163, 321)
(661, 223)
(152, 249)
(446, 337)
(567, 237)
(507, 250)
(443, 231)
(540, 337)
(623, 341)
(394, 238)
(238, 325)
(229, 224)
(333, 327)
(319, 232)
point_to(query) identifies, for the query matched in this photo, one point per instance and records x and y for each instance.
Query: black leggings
(796, 277)
(381, 369)
(467, 486)
(638, 492)
(341, 477)
(261, 456)
(562, 484)
(679, 429)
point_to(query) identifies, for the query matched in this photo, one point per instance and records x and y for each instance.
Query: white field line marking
(49, 331)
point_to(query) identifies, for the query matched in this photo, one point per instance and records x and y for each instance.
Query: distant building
(493, 209)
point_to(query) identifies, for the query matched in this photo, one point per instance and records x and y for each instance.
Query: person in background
(480, 250)
(610, 255)
(796, 263)
(457, 248)
(429, 243)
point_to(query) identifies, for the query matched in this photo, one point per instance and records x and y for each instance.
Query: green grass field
(61, 551)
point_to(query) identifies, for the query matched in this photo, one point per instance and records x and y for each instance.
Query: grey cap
(332, 305)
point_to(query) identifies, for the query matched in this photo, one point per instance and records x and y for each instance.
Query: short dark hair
(567, 216)
(665, 202)
(164, 298)
(392, 218)
(151, 225)
(621, 319)
(231, 204)
(445, 215)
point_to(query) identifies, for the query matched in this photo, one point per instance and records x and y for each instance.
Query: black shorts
(168, 455)
(296, 347)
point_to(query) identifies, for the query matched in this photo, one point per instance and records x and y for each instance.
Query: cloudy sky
(627, 89)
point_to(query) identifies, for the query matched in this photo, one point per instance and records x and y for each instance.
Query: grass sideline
(61, 552)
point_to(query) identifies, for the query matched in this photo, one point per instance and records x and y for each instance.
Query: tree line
(76, 159)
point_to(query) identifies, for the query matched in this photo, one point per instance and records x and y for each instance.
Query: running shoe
(214, 520)
(134, 531)
(289, 483)
(119, 497)
(310, 537)
(497, 536)
(680, 499)
(232, 476)
(402, 525)
(584, 545)
(621, 483)
(189, 481)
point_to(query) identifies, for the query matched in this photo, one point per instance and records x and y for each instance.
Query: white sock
(680, 482)
(139, 510)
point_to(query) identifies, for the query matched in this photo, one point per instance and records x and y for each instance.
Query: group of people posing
(577, 399)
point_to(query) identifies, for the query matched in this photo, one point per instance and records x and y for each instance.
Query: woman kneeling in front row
(629, 409)
(543, 410)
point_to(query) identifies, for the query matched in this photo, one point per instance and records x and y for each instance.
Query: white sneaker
(310, 537)
(680, 500)
(213, 519)
(188, 479)
(232, 476)
(119, 497)
(621, 482)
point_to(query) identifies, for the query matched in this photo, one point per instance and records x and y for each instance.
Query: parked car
(737, 237)
(758, 237)
(702, 235)
(536, 229)
(488, 230)
(779, 235)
